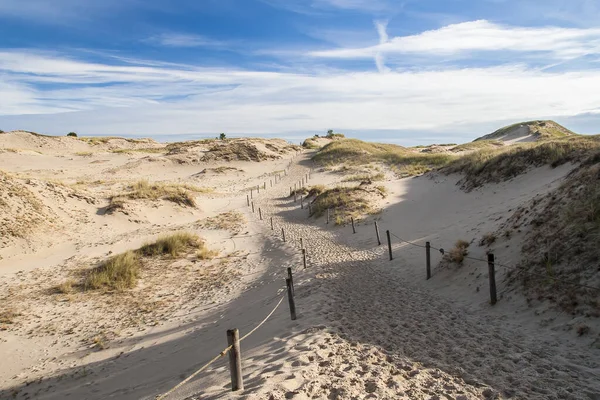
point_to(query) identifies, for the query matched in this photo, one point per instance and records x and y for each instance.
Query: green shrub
(72, 134)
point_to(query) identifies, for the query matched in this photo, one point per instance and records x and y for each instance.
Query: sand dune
(367, 327)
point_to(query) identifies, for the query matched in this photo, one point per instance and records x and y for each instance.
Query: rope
(221, 354)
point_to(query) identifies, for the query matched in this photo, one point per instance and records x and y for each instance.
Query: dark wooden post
(377, 233)
(353, 229)
(251, 193)
(291, 278)
(252, 206)
(295, 196)
(258, 189)
(301, 243)
(283, 234)
(328, 215)
(302, 202)
(304, 258)
(492, 273)
(259, 213)
(290, 294)
(428, 258)
(248, 200)
(389, 244)
(235, 360)
(272, 223)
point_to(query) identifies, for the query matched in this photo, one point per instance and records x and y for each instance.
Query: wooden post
(272, 223)
(265, 185)
(251, 193)
(377, 233)
(259, 213)
(302, 181)
(252, 206)
(291, 278)
(258, 189)
(492, 273)
(235, 360)
(353, 229)
(328, 215)
(389, 245)
(309, 209)
(248, 199)
(301, 243)
(283, 234)
(428, 258)
(302, 202)
(295, 196)
(304, 258)
(295, 184)
(271, 182)
(290, 293)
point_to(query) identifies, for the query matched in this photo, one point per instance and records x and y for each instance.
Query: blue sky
(414, 71)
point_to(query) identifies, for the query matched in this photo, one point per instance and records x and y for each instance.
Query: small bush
(316, 190)
(222, 136)
(72, 134)
(457, 254)
(487, 239)
(117, 273)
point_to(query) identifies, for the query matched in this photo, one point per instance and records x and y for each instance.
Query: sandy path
(370, 302)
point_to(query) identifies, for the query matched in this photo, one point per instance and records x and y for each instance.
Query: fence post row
(235, 360)
(389, 244)
(492, 273)
(428, 258)
(291, 301)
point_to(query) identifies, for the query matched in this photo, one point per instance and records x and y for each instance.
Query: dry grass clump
(122, 271)
(457, 254)
(487, 239)
(232, 221)
(84, 153)
(117, 273)
(8, 316)
(405, 162)
(172, 245)
(496, 165)
(67, 287)
(316, 190)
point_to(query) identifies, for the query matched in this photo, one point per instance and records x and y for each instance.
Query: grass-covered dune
(404, 161)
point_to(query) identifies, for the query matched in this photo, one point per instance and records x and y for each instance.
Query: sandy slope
(367, 327)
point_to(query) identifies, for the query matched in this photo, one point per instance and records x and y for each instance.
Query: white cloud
(163, 99)
(183, 40)
(463, 38)
(315, 6)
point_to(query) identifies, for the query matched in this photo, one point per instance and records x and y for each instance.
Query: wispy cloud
(184, 40)
(316, 6)
(482, 36)
(383, 39)
(249, 101)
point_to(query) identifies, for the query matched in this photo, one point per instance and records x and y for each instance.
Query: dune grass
(496, 165)
(478, 145)
(404, 162)
(177, 193)
(364, 177)
(345, 202)
(122, 271)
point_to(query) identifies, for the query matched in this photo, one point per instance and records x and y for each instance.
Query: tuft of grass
(84, 153)
(344, 203)
(67, 287)
(172, 245)
(7, 317)
(478, 145)
(232, 221)
(457, 254)
(487, 239)
(117, 273)
(204, 253)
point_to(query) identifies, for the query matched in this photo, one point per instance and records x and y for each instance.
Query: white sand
(367, 327)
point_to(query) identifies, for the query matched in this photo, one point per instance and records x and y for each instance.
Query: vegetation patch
(456, 255)
(122, 271)
(177, 193)
(344, 203)
(560, 251)
(364, 178)
(478, 145)
(487, 239)
(405, 162)
(497, 165)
